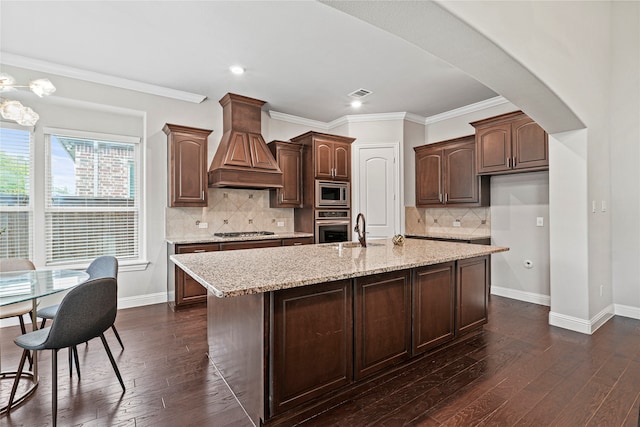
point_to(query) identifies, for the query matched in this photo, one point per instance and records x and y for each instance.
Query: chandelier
(14, 110)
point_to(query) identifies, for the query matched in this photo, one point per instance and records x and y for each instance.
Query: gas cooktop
(244, 234)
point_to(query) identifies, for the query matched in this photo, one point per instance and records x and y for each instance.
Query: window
(92, 203)
(15, 192)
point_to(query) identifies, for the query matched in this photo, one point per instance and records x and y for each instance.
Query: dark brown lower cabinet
(382, 321)
(434, 296)
(187, 290)
(312, 342)
(472, 277)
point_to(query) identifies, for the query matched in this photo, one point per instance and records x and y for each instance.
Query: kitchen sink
(355, 244)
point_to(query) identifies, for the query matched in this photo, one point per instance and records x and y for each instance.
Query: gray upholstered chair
(84, 313)
(18, 309)
(104, 266)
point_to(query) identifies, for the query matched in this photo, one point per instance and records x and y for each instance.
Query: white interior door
(377, 189)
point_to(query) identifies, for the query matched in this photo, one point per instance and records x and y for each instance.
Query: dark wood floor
(518, 371)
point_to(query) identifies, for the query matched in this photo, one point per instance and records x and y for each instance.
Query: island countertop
(251, 271)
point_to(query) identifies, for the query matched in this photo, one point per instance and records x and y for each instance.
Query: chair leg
(44, 322)
(115, 331)
(75, 355)
(113, 362)
(54, 386)
(23, 328)
(17, 379)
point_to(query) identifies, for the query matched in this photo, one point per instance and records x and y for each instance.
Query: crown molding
(471, 108)
(90, 76)
(410, 117)
(297, 120)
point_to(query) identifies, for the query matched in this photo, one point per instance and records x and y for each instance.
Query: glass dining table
(29, 285)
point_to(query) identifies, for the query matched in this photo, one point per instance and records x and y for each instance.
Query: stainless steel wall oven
(332, 226)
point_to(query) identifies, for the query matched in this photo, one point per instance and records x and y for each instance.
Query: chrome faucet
(361, 230)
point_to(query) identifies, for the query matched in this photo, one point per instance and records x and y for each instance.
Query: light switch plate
(540, 221)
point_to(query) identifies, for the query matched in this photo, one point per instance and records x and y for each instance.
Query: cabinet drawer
(206, 247)
(297, 241)
(252, 244)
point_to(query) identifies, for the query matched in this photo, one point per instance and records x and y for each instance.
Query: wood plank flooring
(518, 371)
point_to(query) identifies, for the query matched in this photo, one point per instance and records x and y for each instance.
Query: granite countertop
(250, 271)
(450, 235)
(216, 239)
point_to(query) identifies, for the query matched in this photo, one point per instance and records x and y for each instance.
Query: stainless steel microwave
(332, 194)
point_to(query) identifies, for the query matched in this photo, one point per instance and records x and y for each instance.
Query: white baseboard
(126, 302)
(626, 311)
(521, 295)
(582, 325)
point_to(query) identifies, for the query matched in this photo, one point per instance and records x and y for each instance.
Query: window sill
(123, 266)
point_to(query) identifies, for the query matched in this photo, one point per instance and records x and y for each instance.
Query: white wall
(516, 203)
(625, 158)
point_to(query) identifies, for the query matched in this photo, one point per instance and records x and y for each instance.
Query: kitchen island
(295, 330)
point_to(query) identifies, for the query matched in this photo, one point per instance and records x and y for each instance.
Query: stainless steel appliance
(332, 226)
(332, 194)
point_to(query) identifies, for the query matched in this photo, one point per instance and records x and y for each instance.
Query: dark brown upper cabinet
(331, 155)
(289, 159)
(446, 175)
(510, 143)
(187, 175)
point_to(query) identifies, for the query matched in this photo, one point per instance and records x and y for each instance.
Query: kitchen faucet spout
(361, 229)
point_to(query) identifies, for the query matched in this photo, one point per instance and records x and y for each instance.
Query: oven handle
(332, 222)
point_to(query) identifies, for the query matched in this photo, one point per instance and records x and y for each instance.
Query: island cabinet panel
(312, 343)
(472, 279)
(382, 324)
(434, 293)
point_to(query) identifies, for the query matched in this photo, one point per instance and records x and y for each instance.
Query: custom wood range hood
(243, 159)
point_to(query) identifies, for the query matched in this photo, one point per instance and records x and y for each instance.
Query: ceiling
(302, 57)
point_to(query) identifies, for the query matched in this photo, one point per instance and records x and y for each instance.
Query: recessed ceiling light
(237, 69)
(356, 104)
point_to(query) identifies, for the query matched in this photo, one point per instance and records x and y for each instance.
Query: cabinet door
(429, 181)
(472, 278)
(323, 159)
(289, 158)
(341, 161)
(433, 306)
(312, 348)
(382, 321)
(187, 148)
(460, 180)
(493, 148)
(188, 291)
(530, 145)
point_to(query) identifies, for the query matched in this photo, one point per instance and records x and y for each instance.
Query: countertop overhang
(251, 271)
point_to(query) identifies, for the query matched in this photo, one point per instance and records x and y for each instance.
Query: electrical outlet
(604, 206)
(203, 225)
(456, 223)
(280, 223)
(540, 221)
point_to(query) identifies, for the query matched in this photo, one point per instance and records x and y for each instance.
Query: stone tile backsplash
(229, 209)
(473, 221)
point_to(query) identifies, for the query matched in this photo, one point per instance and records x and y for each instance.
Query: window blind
(92, 197)
(15, 191)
